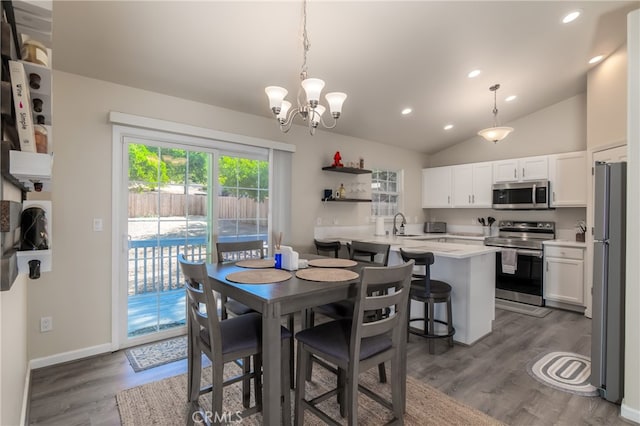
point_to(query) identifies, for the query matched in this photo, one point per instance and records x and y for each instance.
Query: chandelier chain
(305, 40)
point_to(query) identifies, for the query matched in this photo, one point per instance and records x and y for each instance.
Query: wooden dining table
(273, 300)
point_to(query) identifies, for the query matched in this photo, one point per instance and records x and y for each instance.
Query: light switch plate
(97, 224)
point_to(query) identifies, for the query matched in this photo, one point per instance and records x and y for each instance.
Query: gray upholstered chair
(358, 344)
(429, 292)
(239, 250)
(374, 253)
(224, 341)
(328, 247)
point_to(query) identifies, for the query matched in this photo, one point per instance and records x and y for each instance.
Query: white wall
(607, 100)
(77, 293)
(631, 402)
(13, 339)
(557, 128)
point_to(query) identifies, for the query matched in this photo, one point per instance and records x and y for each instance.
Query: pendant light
(495, 133)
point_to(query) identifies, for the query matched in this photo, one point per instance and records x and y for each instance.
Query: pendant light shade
(496, 133)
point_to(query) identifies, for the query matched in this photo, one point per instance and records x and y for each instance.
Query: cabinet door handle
(547, 262)
(554, 196)
(469, 199)
(523, 172)
(515, 173)
(473, 198)
(448, 199)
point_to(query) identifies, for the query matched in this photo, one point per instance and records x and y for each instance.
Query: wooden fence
(145, 204)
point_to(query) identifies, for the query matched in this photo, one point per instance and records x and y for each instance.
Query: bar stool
(429, 292)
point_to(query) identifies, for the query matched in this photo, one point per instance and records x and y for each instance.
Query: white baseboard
(69, 356)
(629, 413)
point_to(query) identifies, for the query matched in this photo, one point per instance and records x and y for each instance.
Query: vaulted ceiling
(386, 55)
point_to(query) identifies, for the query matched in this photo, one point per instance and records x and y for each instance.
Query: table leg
(271, 365)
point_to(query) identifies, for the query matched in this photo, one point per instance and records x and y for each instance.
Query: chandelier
(495, 133)
(309, 108)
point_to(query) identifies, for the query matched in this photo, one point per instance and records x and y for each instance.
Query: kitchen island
(469, 269)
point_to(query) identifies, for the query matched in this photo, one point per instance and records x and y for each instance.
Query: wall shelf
(351, 170)
(346, 200)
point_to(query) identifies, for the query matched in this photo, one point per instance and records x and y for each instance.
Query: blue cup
(278, 258)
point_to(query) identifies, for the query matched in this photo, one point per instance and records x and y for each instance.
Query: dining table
(273, 300)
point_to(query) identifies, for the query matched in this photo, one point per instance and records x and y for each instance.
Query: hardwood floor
(490, 376)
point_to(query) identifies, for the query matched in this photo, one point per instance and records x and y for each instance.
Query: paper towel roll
(380, 226)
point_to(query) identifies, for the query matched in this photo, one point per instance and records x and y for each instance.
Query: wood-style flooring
(490, 376)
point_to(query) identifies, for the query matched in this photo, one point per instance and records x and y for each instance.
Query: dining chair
(328, 247)
(429, 292)
(374, 253)
(239, 250)
(358, 344)
(224, 341)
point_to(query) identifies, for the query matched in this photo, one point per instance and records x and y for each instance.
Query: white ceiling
(386, 55)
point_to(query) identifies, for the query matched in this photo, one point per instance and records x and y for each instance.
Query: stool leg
(432, 330)
(425, 315)
(450, 320)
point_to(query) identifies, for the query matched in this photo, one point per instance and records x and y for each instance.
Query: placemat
(332, 263)
(259, 276)
(326, 274)
(256, 263)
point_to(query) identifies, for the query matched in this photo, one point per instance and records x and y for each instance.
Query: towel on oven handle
(509, 260)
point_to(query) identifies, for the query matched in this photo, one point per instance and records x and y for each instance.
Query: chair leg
(342, 392)
(450, 321)
(397, 397)
(246, 383)
(217, 380)
(286, 382)
(352, 396)
(291, 349)
(302, 359)
(257, 380)
(310, 321)
(432, 330)
(382, 373)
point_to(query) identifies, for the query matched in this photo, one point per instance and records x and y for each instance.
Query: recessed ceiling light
(510, 98)
(448, 127)
(570, 17)
(406, 111)
(474, 73)
(596, 59)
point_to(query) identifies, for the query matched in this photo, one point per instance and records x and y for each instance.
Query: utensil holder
(486, 231)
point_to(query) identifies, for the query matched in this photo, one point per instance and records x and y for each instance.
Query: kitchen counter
(565, 243)
(469, 269)
(425, 242)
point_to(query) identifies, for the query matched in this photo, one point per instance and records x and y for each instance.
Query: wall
(13, 340)
(77, 293)
(607, 100)
(557, 128)
(631, 402)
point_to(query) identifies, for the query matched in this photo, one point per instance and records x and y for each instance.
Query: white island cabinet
(469, 269)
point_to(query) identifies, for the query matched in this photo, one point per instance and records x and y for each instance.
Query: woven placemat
(259, 276)
(256, 263)
(326, 274)
(332, 263)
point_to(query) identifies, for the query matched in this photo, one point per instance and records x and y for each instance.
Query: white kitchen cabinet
(568, 178)
(564, 274)
(521, 169)
(436, 187)
(471, 185)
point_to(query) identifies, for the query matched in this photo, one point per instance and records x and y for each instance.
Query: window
(386, 192)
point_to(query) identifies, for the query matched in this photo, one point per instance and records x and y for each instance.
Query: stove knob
(540, 225)
(548, 225)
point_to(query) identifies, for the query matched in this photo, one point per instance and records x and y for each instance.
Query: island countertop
(424, 242)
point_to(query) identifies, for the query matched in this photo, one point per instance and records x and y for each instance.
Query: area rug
(164, 403)
(522, 308)
(565, 371)
(157, 353)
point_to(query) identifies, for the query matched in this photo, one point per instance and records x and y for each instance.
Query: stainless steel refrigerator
(607, 337)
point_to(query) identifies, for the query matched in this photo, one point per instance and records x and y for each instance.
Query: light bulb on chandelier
(309, 109)
(495, 134)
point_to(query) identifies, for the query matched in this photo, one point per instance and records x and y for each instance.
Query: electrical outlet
(97, 224)
(46, 324)
(318, 221)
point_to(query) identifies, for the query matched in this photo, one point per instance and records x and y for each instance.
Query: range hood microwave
(521, 195)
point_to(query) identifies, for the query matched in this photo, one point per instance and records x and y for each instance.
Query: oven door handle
(534, 253)
(533, 195)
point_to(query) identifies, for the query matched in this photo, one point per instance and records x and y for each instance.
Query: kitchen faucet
(404, 221)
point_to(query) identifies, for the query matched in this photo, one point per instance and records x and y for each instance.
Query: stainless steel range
(519, 265)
